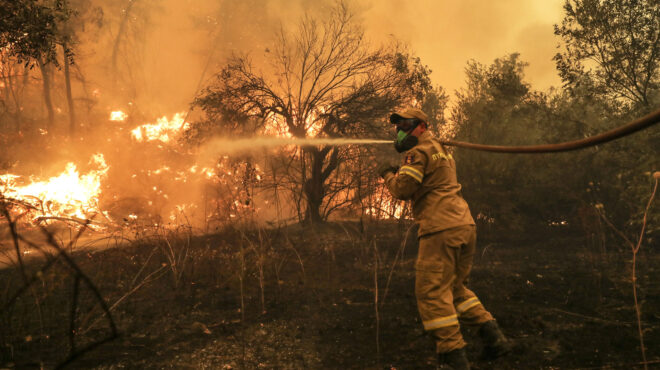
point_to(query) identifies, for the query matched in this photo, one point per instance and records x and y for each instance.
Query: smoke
(447, 34)
(169, 46)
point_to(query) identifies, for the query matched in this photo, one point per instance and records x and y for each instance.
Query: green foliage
(434, 104)
(609, 66)
(417, 74)
(612, 54)
(29, 29)
(613, 46)
(498, 107)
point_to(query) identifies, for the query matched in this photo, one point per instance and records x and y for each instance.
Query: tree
(14, 77)
(434, 105)
(126, 15)
(323, 80)
(611, 53)
(29, 32)
(66, 37)
(614, 45)
(84, 17)
(498, 107)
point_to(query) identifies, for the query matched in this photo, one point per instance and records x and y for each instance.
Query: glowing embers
(163, 130)
(68, 194)
(276, 125)
(384, 206)
(118, 116)
(181, 213)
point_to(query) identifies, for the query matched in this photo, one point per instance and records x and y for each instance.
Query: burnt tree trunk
(69, 96)
(10, 90)
(315, 188)
(120, 33)
(45, 74)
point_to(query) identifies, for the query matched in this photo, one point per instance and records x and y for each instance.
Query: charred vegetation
(216, 204)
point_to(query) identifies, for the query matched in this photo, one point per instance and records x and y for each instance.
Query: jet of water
(220, 146)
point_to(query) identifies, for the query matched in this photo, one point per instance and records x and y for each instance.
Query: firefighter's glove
(385, 167)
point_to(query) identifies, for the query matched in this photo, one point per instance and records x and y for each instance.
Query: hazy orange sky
(446, 34)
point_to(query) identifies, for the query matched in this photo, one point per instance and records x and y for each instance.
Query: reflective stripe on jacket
(427, 176)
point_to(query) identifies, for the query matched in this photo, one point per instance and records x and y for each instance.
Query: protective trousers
(443, 263)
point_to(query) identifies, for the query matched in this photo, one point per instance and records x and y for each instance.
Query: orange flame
(67, 195)
(276, 126)
(163, 130)
(387, 207)
(118, 116)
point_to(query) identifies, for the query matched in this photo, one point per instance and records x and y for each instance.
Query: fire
(276, 126)
(313, 125)
(388, 207)
(181, 212)
(69, 194)
(210, 172)
(118, 116)
(163, 130)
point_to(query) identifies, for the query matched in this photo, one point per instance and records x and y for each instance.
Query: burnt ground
(197, 303)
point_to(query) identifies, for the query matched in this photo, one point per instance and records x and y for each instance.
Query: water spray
(229, 146)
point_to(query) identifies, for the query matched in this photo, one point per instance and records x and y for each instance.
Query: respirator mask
(404, 140)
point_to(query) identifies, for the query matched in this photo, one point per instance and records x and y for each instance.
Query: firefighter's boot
(495, 343)
(455, 360)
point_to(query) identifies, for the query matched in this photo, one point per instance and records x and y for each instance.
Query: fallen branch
(81, 221)
(591, 318)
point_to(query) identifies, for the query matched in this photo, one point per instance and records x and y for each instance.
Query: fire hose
(616, 133)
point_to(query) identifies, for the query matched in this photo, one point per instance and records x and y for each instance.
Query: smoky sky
(172, 45)
(447, 34)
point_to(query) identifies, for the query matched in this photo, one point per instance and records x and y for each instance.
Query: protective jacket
(428, 177)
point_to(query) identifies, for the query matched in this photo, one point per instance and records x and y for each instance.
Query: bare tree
(324, 80)
(126, 14)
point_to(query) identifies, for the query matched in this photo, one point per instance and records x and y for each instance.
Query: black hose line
(627, 129)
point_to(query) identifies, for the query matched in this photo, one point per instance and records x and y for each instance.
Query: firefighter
(447, 240)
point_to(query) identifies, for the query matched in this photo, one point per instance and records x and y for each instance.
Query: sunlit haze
(447, 34)
(181, 42)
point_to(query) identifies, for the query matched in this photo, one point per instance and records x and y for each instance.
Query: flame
(159, 170)
(163, 130)
(118, 116)
(313, 125)
(210, 172)
(276, 126)
(69, 194)
(181, 212)
(388, 207)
